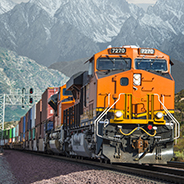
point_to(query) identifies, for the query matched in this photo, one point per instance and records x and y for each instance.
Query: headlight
(159, 115)
(137, 79)
(118, 114)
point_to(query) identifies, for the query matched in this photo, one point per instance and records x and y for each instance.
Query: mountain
(6, 5)
(160, 27)
(17, 72)
(50, 31)
(29, 30)
(98, 20)
(50, 6)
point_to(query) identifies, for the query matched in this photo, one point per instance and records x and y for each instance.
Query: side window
(66, 93)
(124, 81)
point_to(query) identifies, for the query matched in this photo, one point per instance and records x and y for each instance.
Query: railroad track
(160, 172)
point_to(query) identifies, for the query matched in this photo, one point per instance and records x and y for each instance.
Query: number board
(117, 50)
(146, 51)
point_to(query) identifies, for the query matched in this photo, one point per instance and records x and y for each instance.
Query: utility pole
(19, 98)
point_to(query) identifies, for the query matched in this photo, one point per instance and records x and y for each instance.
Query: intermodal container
(27, 114)
(47, 110)
(24, 124)
(42, 130)
(38, 112)
(30, 136)
(21, 137)
(14, 132)
(17, 130)
(7, 134)
(10, 133)
(4, 134)
(38, 131)
(33, 133)
(29, 119)
(21, 125)
(33, 118)
(24, 136)
(49, 125)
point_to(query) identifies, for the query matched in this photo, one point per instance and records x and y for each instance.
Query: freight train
(120, 110)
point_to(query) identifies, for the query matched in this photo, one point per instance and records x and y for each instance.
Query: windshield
(110, 63)
(151, 64)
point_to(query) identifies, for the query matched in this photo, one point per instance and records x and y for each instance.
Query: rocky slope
(53, 31)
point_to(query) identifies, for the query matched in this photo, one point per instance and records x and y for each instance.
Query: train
(121, 110)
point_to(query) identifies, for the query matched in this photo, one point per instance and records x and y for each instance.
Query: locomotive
(120, 110)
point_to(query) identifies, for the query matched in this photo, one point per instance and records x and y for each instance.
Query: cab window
(66, 93)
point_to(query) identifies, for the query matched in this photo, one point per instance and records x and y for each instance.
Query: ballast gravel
(29, 168)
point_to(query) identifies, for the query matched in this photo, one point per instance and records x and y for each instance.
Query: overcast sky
(130, 1)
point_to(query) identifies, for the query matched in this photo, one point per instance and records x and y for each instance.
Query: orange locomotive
(123, 107)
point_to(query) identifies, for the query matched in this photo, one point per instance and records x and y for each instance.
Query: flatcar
(120, 110)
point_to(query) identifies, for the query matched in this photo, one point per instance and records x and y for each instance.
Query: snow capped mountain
(170, 13)
(98, 20)
(51, 6)
(50, 31)
(6, 5)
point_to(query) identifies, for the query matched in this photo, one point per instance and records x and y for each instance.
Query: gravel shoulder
(28, 168)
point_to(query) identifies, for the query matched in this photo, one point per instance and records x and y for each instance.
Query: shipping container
(24, 124)
(42, 135)
(7, 134)
(27, 114)
(38, 113)
(29, 119)
(33, 133)
(21, 125)
(17, 130)
(14, 132)
(38, 131)
(10, 133)
(47, 110)
(30, 135)
(21, 137)
(33, 118)
(24, 136)
(49, 125)
(4, 134)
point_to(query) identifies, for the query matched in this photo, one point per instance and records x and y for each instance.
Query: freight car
(120, 110)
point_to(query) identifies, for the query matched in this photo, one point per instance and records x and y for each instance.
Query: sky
(130, 1)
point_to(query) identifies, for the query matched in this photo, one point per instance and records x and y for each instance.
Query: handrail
(105, 112)
(177, 124)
